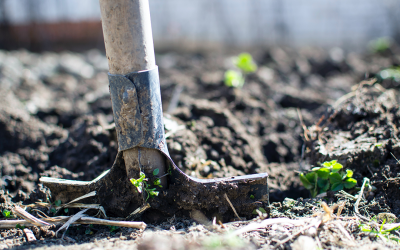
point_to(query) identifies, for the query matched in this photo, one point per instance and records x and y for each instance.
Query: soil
(56, 120)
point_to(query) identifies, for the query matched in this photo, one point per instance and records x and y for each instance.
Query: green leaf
(350, 183)
(251, 196)
(142, 176)
(88, 231)
(57, 203)
(329, 163)
(245, 62)
(336, 167)
(234, 79)
(335, 178)
(305, 182)
(113, 228)
(312, 177)
(349, 173)
(262, 210)
(6, 213)
(53, 210)
(65, 210)
(156, 171)
(337, 186)
(18, 226)
(153, 193)
(157, 182)
(323, 185)
(313, 193)
(323, 173)
(315, 169)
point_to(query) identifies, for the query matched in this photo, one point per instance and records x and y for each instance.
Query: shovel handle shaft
(127, 35)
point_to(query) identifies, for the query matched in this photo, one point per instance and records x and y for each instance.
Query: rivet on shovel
(136, 101)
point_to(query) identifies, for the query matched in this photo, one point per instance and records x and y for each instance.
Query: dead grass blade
(93, 193)
(71, 220)
(233, 208)
(8, 224)
(28, 217)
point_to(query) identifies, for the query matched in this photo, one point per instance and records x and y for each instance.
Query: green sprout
(380, 44)
(7, 213)
(245, 65)
(234, 79)
(113, 229)
(141, 184)
(329, 176)
(392, 73)
(380, 232)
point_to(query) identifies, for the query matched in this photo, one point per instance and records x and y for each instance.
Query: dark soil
(56, 120)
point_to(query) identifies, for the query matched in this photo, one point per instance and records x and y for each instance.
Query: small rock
(304, 242)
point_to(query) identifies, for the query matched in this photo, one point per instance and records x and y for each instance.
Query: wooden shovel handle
(127, 35)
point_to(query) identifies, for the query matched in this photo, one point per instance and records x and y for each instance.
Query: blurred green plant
(244, 64)
(392, 73)
(380, 44)
(6, 213)
(380, 232)
(330, 176)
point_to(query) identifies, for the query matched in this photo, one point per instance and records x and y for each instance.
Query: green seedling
(18, 226)
(392, 73)
(380, 45)
(141, 184)
(57, 203)
(234, 79)
(7, 213)
(262, 210)
(380, 232)
(244, 65)
(329, 176)
(113, 229)
(89, 230)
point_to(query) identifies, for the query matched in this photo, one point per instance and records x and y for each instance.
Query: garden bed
(56, 120)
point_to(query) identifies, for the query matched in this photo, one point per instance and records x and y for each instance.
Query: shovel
(143, 157)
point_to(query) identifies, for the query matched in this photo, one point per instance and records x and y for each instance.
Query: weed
(7, 213)
(380, 45)
(380, 232)
(18, 226)
(245, 65)
(141, 184)
(113, 229)
(57, 203)
(392, 73)
(234, 79)
(329, 176)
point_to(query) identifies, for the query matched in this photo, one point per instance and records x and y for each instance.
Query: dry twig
(8, 224)
(230, 203)
(28, 217)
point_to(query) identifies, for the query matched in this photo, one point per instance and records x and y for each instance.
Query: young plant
(380, 232)
(329, 176)
(7, 213)
(142, 183)
(244, 65)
